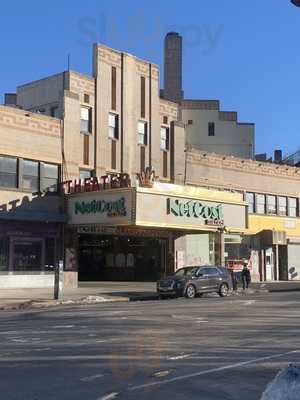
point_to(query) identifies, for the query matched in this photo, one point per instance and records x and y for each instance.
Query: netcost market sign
(114, 208)
(212, 215)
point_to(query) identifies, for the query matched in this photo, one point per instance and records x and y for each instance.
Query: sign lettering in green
(195, 209)
(115, 208)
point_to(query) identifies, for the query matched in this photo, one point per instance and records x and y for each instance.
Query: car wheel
(223, 291)
(190, 292)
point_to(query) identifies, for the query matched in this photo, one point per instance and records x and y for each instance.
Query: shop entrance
(121, 258)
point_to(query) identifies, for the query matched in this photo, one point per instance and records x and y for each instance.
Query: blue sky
(245, 53)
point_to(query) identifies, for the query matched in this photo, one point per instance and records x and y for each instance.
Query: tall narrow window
(211, 129)
(292, 207)
(86, 149)
(260, 203)
(271, 205)
(142, 132)
(282, 205)
(250, 200)
(165, 164)
(113, 88)
(164, 138)
(49, 177)
(8, 172)
(30, 177)
(143, 97)
(113, 126)
(86, 120)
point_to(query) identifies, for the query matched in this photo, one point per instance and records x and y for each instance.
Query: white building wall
(231, 137)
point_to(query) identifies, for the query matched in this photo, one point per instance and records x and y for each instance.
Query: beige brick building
(198, 207)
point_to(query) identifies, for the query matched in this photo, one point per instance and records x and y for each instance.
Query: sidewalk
(98, 292)
(87, 292)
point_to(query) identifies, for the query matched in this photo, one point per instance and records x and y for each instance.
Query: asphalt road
(207, 348)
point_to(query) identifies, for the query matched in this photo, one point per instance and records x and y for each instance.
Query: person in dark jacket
(246, 277)
(234, 281)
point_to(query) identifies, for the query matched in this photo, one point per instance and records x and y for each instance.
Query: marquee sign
(212, 215)
(94, 184)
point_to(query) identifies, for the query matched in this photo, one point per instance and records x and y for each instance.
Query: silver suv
(196, 280)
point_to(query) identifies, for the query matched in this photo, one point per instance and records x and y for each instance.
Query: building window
(292, 207)
(165, 119)
(30, 176)
(8, 172)
(85, 174)
(260, 204)
(113, 126)
(143, 97)
(250, 200)
(211, 129)
(54, 112)
(27, 255)
(86, 120)
(49, 178)
(282, 205)
(164, 138)
(86, 98)
(142, 132)
(271, 205)
(113, 88)
(190, 122)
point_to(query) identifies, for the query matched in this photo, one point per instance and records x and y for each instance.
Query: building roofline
(119, 52)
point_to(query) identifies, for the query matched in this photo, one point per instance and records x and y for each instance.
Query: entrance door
(270, 264)
(282, 260)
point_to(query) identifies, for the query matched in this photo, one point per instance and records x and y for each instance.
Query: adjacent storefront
(31, 243)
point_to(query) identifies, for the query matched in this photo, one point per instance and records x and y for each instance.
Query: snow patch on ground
(88, 300)
(285, 386)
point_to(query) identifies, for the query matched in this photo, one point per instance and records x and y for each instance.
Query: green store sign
(115, 208)
(213, 215)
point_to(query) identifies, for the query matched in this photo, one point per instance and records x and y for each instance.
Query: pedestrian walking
(246, 277)
(234, 280)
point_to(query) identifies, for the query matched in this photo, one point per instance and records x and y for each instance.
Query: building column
(222, 248)
(276, 262)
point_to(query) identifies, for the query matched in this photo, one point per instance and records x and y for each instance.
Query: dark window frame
(269, 210)
(257, 204)
(86, 124)
(115, 136)
(29, 176)
(144, 134)
(251, 205)
(211, 129)
(166, 140)
(16, 174)
(296, 207)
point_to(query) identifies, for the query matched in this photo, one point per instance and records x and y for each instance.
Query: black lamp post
(296, 3)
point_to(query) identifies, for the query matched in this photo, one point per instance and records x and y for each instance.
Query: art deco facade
(72, 126)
